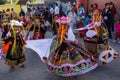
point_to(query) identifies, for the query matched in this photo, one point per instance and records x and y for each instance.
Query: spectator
(37, 11)
(13, 13)
(33, 11)
(28, 13)
(95, 6)
(91, 10)
(113, 10)
(107, 18)
(61, 11)
(72, 14)
(22, 13)
(46, 13)
(57, 10)
(23, 21)
(81, 12)
(51, 10)
(28, 22)
(3, 11)
(41, 11)
(51, 14)
(117, 31)
(8, 14)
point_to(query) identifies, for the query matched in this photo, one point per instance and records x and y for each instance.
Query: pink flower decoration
(63, 20)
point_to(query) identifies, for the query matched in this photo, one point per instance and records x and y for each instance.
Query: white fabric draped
(42, 46)
(89, 26)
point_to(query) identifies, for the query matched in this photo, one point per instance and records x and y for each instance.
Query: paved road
(37, 70)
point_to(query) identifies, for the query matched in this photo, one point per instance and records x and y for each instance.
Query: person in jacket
(107, 15)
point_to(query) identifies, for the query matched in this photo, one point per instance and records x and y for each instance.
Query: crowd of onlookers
(48, 14)
(108, 15)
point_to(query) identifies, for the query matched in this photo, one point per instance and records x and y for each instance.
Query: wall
(16, 8)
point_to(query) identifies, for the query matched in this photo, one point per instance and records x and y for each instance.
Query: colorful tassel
(44, 59)
(6, 47)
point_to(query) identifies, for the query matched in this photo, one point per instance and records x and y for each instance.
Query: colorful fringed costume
(68, 58)
(36, 31)
(99, 40)
(54, 24)
(13, 45)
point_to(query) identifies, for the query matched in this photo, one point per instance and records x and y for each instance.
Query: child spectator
(117, 31)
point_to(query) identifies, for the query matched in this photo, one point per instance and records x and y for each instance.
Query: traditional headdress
(14, 23)
(36, 18)
(64, 20)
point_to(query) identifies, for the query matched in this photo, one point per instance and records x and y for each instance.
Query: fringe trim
(14, 62)
(80, 72)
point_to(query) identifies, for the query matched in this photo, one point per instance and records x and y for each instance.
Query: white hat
(15, 23)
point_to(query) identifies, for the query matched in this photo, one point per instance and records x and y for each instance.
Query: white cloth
(71, 35)
(57, 10)
(41, 47)
(89, 26)
(15, 23)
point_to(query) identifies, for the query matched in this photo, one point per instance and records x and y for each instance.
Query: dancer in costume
(100, 36)
(97, 37)
(67, 57)
(13, 45)
(54, 24)
(37, 30)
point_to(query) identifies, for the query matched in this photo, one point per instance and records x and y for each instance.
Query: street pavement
(35, 69)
